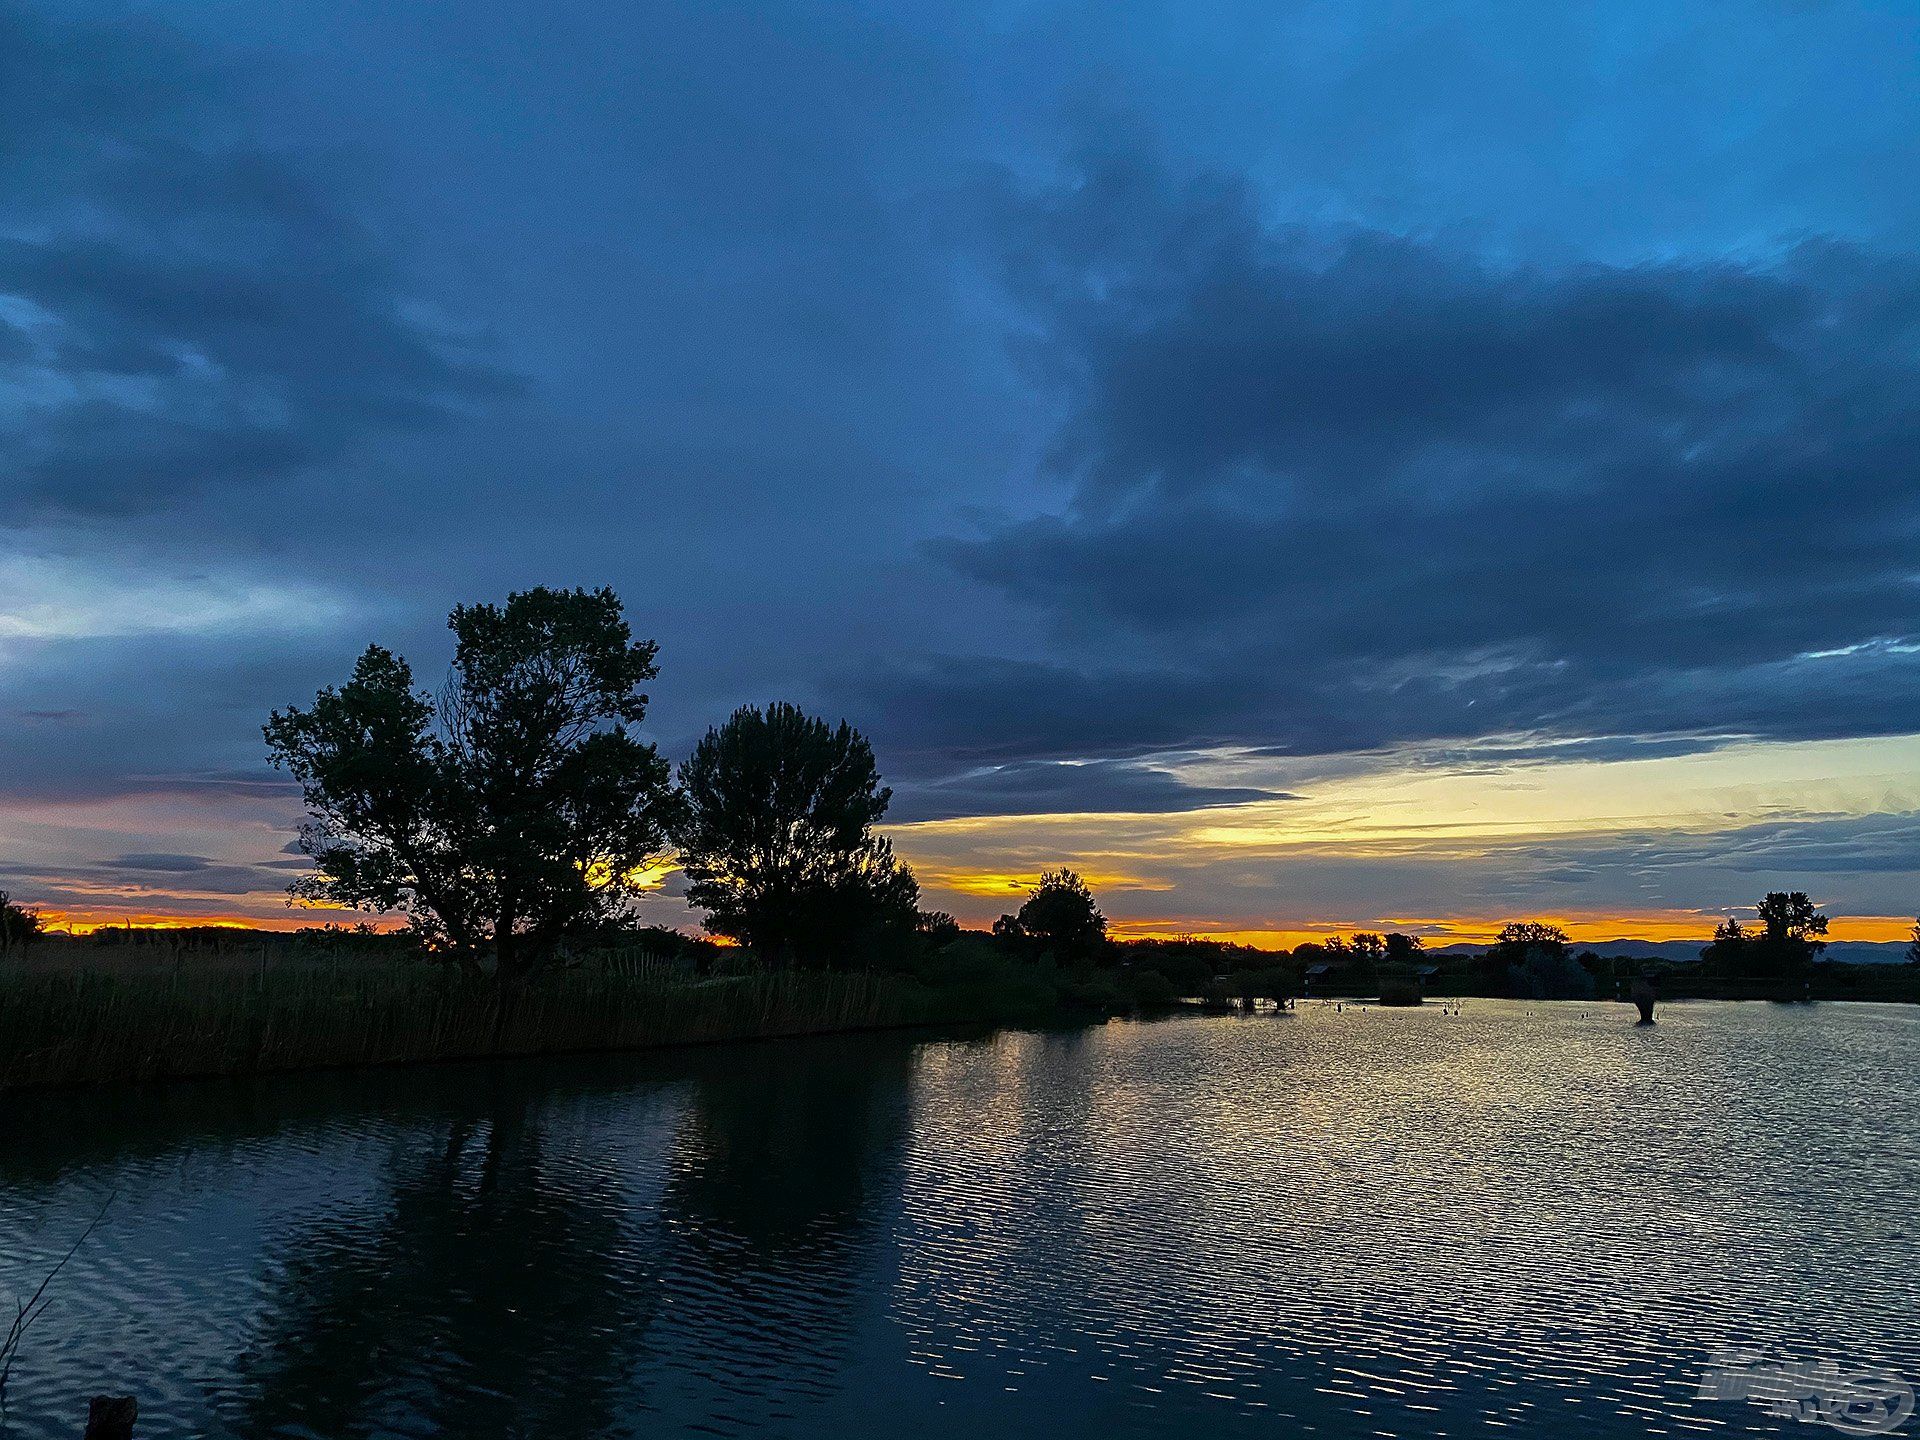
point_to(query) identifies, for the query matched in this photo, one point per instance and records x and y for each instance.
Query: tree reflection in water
(552, 1264)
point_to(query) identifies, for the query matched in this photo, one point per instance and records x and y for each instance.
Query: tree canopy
(1404, 949)
(1787, 939)
(516, 811)
(1059, 917)
(776, 835)
(1519, 936)
(1789, 917)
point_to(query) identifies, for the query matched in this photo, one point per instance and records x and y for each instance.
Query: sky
(1308, 466)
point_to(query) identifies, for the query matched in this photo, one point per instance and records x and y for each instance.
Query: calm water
(1344, 1223)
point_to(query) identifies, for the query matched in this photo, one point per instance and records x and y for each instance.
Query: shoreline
(162, 1027)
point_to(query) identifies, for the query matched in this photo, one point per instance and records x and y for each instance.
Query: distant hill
(1854, 952)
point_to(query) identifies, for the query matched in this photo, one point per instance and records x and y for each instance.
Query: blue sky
(1237, 449)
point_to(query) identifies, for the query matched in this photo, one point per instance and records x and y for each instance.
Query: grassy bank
(86, 1025)
(95, 1013)
(164, 1009)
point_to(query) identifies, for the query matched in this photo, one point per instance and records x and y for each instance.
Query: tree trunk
(506, 948)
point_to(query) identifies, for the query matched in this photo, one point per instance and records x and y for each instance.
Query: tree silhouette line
(515, 816)
(518, 812)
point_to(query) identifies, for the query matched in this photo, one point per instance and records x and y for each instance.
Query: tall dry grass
(219, 1016)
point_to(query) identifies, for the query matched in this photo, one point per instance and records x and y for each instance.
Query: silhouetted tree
(19, 926)
(1520, 936)
(1728, 954)
(1520, 943)
(1913, 947)
(776, 835)
(1364, 952)
(518, 811)
(1790, 937)
(1550, 972)
(1791, 916)
(1059, 917)
(1404, 949)
(937, 928)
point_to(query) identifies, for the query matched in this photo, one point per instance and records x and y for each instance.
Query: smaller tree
(937, 928)
(1404, 949)
(1059, 917)
(1728, 954)
(1519, 944)
(777, 837)
(19, 925)
(1913, 948)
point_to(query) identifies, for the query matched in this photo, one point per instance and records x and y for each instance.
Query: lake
(1339, 1222)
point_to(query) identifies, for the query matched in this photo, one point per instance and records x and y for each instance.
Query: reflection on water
(1362, 1222)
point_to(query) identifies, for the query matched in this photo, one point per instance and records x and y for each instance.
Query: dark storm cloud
(1420, 495)
(183, 310)
(1324, 489)
(136, 877)
(946, 712)
(1040, 787)
(133, 881)
(1792, 845)
(162, 862)
(154, 715)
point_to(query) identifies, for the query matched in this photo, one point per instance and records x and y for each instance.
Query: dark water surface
(1349, 1223)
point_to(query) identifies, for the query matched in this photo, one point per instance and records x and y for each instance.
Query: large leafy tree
(1789, 936)
(1404, 949)
(1519, 944)
(1790, 918)
(1792, 933)
(1520, 938)
(776, 836)
(515, 812)
(1059, 917)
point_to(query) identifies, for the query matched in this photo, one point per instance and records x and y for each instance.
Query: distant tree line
(518, 813)
(515, 815)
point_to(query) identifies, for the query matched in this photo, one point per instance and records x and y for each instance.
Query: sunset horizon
(831, 719)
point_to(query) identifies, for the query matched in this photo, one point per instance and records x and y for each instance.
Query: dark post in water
(1643, 993)
(111, 1417)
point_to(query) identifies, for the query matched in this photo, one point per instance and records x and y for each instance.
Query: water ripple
(1533, 1218)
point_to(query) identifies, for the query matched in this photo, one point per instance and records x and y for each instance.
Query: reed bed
(86, 1025)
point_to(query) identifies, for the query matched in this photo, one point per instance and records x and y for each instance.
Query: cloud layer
(1359, 490)
(180, 308)
(1134, 417)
